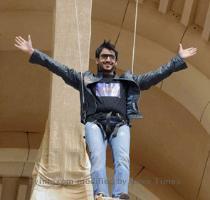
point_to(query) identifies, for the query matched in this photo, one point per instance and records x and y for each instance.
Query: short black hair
(106, 45)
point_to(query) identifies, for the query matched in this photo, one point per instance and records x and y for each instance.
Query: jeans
(120, 146)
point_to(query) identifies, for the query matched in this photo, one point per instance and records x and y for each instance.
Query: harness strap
(109, 127)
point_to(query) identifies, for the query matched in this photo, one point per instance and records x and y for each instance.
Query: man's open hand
(185, 53)
(23, 45)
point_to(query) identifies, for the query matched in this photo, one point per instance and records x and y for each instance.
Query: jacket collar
(93, 78)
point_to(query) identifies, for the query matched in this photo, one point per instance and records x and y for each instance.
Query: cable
(139, 172)
(204, 170)
(185, 31)
(126, 8)
(180, 41)
(78, 33)
(18, 131)
(204, 109)
(79, 48)
(27, 157)
(182, 37)
(28, 144)
(134, 35)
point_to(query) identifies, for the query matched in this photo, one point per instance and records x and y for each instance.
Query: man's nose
(108, 58)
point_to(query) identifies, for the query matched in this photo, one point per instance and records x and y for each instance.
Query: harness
(109, 123)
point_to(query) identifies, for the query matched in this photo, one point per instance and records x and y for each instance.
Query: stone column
(64, 169)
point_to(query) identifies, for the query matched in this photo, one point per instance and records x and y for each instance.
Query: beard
(103, 68)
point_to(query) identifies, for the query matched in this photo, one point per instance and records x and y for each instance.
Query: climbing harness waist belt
(109, 123)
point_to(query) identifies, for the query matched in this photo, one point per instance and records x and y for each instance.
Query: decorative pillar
(63, 171)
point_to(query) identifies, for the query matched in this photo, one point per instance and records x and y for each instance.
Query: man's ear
(97, 61)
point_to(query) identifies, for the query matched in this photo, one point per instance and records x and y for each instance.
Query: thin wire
(185, 31)
(126, 8)
(183, 34)
(204, 109)
(180, 41)
(202, 178)
(17, 131)
(79, 48)
(78, 33)
(134, 35)
(139, 172)
(27, 157)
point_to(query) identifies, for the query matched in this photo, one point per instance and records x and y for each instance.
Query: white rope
(134, 35)
(79, 48)
(78, 34)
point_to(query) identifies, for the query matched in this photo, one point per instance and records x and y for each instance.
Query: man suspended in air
(108, 103)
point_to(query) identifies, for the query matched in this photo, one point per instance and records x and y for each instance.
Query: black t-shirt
(110, 96)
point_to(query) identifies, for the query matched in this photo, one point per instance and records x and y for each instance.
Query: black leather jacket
(135, 83)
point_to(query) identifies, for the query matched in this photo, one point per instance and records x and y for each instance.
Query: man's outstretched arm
(70, 76)
(177, 63)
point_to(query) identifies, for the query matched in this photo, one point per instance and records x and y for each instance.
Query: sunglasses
(106, 56)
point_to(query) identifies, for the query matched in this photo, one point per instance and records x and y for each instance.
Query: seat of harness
(109, 123)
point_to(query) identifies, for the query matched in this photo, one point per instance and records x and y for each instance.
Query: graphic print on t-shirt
(108, 90)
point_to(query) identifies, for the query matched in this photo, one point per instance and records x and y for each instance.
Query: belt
(110, 125)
